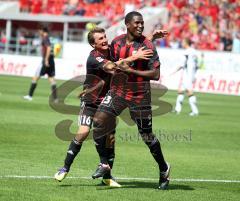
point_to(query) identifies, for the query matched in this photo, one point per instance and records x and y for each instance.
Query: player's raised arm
(158, 33)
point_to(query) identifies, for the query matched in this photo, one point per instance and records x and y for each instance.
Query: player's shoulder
(149, 44)
(95, 57)
(119, 38)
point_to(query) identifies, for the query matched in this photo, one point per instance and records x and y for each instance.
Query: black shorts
(140, 113)
(49, 70)
(86, 114)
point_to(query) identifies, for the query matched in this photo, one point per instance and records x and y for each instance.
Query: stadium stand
(210, 24)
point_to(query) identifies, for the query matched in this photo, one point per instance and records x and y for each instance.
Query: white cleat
(192, 114)
(111, 183)
(61, 174)
(27, 97)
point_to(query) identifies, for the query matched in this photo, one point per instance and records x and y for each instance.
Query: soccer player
(96, 85)
(130, 88)
(47, 66)
(189, 67)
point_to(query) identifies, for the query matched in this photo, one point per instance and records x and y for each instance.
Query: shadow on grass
(145, 185)
(129, 184)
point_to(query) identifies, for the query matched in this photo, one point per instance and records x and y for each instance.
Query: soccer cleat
(27, 97)
(111, 183)
(61, 174)
(101, 170)
(175, 112)
(192, 114)
(164, 178)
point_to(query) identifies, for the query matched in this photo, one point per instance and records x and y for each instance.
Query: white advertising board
(220, 72)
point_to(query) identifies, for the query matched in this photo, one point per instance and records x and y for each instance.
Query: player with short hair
(130, 88)
(189, 69)
(47, 66)
(97, 83)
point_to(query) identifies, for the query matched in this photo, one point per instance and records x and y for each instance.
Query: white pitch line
(120, 178)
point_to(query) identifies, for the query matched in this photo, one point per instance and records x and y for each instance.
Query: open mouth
(104, 44)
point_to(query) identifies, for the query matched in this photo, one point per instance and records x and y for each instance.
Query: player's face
(136, 26)
(101, 42)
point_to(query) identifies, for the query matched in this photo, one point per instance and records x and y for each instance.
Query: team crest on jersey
(99, 59)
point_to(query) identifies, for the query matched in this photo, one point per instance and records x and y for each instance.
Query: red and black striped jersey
(94, 75)
(130, 86)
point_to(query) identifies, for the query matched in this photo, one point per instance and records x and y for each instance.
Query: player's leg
(179, 100)
(51, 74)
(85, 122)
(192, 99)
(104, 123)
(110, 148)
(143, 118)
(32, 88)
(103, 126)
(39, 72)
(53, 88)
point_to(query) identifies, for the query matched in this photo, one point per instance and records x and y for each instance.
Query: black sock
(72, 152)
(155, 148)
(156, 151)
(100, 133)
(32, 88)
(101, 149)
(54, 91)
(111, 156)
(110, 159)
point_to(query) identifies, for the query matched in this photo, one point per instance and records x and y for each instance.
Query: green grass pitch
(205, 147)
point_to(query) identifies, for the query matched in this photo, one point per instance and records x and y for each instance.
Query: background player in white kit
(189, 67)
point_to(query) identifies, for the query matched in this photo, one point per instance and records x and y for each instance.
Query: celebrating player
(130, 88)
(96, 85)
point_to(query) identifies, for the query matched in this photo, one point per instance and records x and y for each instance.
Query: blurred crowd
(210, 24)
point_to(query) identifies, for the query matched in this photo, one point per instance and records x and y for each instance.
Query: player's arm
(110, 66)
(159, 33)
(98, 86)
(48, 52)
(147, 53)
(176, 70)
(152, 74)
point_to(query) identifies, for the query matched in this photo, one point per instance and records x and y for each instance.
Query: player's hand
(160, 33)
(124, 66)
(82, 94)
(46, 63)
(143, 54)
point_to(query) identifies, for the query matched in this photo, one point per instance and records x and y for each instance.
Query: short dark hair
(90, 37)
(130, 16)
(44, 29)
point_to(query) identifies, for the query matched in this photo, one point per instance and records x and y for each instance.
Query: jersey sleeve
(95, 63)
(154, 62)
